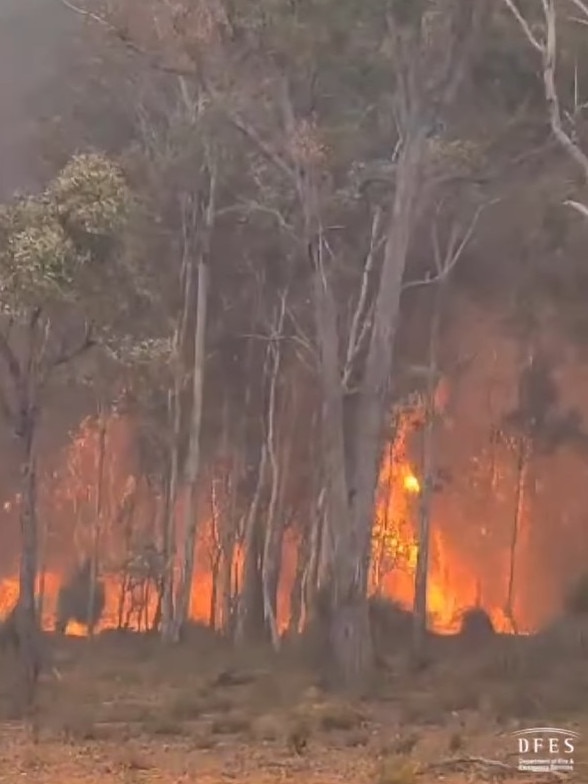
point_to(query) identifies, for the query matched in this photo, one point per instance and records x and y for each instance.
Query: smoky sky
(36, 38)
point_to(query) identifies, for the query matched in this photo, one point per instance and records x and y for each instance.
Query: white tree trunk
(246, 609)
(274, 528)
(175, 413)
(193, 462)
(352, 463)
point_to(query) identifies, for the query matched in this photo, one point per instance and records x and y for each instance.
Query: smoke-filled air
(293, 391)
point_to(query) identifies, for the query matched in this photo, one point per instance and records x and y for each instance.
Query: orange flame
(131, 512)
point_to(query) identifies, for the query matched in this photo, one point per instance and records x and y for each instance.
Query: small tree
(54, 262)
(444, 263)
(536, 426)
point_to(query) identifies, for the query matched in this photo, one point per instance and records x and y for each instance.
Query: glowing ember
(412, 484)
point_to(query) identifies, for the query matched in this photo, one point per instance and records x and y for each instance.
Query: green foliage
(46, 241)
(36, 250)
(90, 196)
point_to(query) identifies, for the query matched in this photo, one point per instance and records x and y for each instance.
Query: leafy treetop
(53, 243)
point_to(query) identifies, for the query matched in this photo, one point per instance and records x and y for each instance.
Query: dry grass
(128, 711)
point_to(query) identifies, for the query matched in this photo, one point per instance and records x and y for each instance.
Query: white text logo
(546, 749)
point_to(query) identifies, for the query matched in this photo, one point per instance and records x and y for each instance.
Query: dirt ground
(126, 710)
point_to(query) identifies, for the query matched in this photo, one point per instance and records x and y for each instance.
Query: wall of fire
(472, 514)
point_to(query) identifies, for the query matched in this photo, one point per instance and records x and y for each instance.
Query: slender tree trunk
(381, 552)
(315, 574)
(247, 609)
(274, 528)
(121, 601)
(225, 589)
(296, 594)
(169, 521)
(96, 527)
(43, 531)
(27, 620)
(227, 561)
(352, 465)
(193, 462)
(175, 413)
(522, 472)
(428, 481)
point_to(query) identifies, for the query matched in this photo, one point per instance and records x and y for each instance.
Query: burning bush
(476, 624)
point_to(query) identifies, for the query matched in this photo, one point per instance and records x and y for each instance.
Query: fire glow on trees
(131, 514)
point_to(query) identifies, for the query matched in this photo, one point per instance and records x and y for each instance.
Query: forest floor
(126, 710)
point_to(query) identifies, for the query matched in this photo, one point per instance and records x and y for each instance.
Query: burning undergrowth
(95, 501)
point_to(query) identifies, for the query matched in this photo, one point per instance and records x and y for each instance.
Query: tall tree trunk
(229, 527)
(272, 546)
(352, 465)
(428, 480)
(317, 565)
(213, 619)
(169, 520)
(297, 592)
(96, 526)
(247, 608)
(193, 461)
(27, 620)
(175, 415)
(43, 534)
(522, 468)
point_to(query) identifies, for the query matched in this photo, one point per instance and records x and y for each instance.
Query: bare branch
(248, 206)
(153, 60)
(453, 253)
(576, 205)
(582, 6)
(157, 64)
(548, 51)
(253, 136)
(360, 317)
(525, 27)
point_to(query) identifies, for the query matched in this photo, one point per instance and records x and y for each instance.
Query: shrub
(576, 602)
(476, 623)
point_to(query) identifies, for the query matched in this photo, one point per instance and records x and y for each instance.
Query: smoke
(36, 49)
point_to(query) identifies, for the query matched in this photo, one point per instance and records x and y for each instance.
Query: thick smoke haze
(36, 38)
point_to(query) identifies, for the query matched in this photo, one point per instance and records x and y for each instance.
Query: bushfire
(93, 498)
